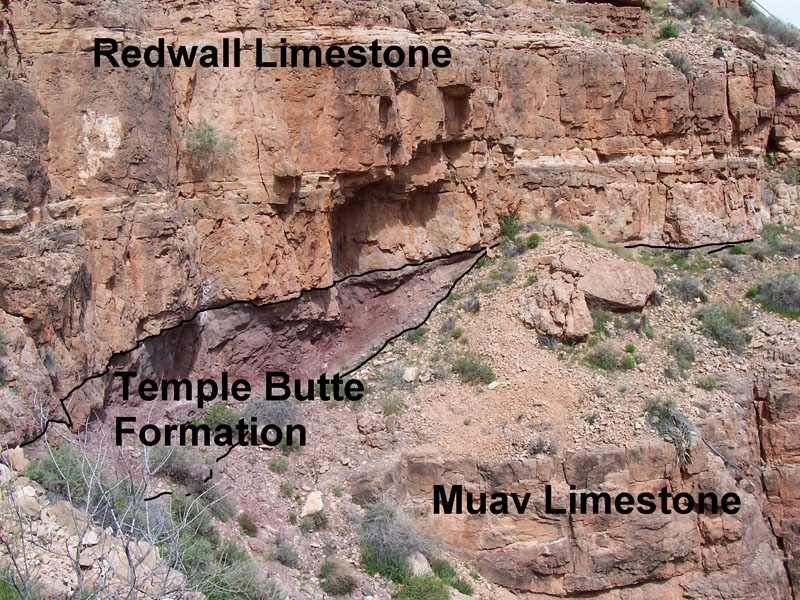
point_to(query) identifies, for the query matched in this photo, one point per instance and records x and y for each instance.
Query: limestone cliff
(555, 111)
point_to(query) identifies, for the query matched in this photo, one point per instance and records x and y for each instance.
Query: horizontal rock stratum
(108, 227)
(112, 230)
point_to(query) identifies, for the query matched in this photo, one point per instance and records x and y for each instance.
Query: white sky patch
(786, 10)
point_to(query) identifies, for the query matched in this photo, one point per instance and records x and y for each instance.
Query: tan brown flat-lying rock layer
(669, 555)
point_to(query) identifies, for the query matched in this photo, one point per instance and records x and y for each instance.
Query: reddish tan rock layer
(109, 234)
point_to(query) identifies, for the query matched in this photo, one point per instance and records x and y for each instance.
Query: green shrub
(688, 289)
(447, 326)
(472, 368)
(510, 248)
(668, 30)
(445, 571)
(393, 404)
(584, 229)
(673, 426)
(315, 522)
(277, 412)
(67, 475)
(681, 62)
(179, 464)
(790, 175)
(10, 581)
(780, 294)
(337, 577)
(278, 465)
(426, 587)
(532, 278)
(630, 348)
(205, 145)
(604, 356)
(506, 273)
(287, 489)
(682, 349)
(457, 333)
(509, 226)
(285, 553)
(62, 473)
(541, 444)
(247, 525)
(600, 319)
(627, 362)
(673, 371)
(221, 414)
(533, 241)
(388, 538)
(693, 8)
(784, 33)
(417, 335)
(707, 382)
(725, 323)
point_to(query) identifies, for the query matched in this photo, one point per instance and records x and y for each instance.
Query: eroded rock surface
(579, 280)
(671, 556)
(111, 233)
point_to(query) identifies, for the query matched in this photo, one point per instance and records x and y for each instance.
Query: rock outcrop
(559, 304)
(672, 556)
(556, 307)
(335, 171)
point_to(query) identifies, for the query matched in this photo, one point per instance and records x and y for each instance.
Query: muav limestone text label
(646, 503)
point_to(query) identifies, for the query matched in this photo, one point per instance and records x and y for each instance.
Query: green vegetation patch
(388, 538)
(779, 294)
(725, 323)
(426, 587)
(206, 145)
(473, 368)
(604, 356)
(445, 571)
(337, 577)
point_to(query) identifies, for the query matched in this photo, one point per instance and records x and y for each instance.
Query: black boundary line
(482, 252)
(157, 496)
(198, 312)
(720, 249)
(455, 282)
(697, 247)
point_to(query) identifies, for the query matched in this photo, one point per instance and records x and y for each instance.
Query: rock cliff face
(109, 233)
(609, 556)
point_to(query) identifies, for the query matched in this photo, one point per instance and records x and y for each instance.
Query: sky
(786, 10)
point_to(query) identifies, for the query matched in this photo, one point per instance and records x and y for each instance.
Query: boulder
(5, 474)
(556, 307)
(418, 565)
(25, 498)
(617, 284)
(15, 458)
(313, 504)
(410, 374)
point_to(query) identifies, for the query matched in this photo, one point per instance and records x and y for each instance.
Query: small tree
(207, 146)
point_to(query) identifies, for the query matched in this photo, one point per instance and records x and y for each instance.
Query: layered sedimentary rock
(606, 555)
(110, 232)
(579, 279)
(777, 395)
